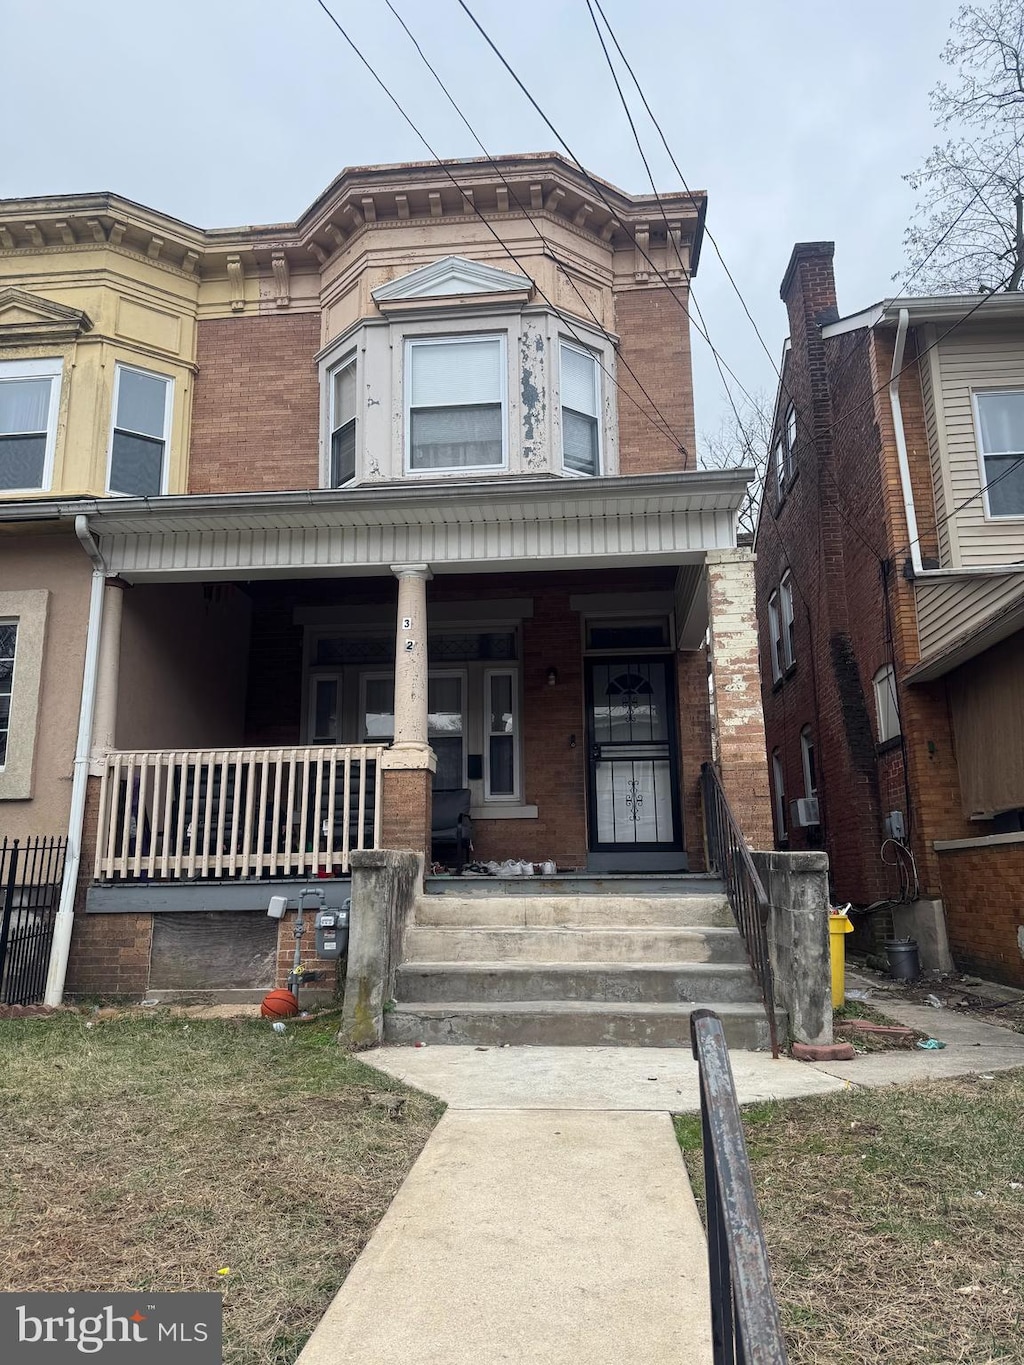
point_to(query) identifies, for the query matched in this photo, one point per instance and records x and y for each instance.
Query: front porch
(262, 722)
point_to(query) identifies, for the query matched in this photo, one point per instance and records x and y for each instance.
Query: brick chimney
(809, 287)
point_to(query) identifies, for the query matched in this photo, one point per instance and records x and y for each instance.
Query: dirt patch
(152, 1153)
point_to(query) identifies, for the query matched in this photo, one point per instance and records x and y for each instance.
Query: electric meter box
(332, 932)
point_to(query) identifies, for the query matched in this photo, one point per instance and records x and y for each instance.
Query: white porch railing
(179, 814)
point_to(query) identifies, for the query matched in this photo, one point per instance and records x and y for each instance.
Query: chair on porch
(450, 824)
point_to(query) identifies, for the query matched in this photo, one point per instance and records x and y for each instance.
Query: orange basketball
(279, 1005)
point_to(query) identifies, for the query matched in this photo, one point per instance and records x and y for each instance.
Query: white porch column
(411, 738)
(105, 712)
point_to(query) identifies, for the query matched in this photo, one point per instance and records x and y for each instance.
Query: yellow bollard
(838, 925)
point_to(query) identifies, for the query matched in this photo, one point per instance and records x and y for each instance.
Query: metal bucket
(904, 959)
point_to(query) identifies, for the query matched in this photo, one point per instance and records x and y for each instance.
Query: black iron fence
(729, 856)
(31, 872)
(745, 1325)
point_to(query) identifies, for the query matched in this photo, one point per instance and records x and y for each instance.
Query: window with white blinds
(580, 396)
(455, 403)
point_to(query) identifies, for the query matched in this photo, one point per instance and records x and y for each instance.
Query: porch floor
(578, 884)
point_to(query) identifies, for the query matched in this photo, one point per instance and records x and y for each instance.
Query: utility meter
(332, 932)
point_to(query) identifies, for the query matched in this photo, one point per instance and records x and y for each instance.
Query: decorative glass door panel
(634, 770)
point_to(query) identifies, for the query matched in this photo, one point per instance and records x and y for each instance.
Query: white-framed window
(29, 404)
(455, 403)
(886, 704)
(785, 451)
(8, 649)
(807, 758)
(999, 421)
(779, 793)
(342, 418)
(501, 735)
(580, 387)
(775, 635)
(324, 708)
(788, 618)
(140, 433)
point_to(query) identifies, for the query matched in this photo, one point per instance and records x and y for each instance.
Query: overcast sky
(797, 116)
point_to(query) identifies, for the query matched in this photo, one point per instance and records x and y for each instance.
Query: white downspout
(66, 910)
(901, 440)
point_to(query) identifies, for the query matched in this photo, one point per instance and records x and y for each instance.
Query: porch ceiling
(472, 527)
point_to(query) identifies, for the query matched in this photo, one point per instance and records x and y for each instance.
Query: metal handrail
(729, 856)
(745, 1324)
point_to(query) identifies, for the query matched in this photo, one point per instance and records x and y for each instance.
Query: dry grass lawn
(152, 1153)
(894, 1220)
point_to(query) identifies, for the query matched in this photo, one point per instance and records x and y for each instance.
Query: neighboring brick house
(253, 433)
(890, 591)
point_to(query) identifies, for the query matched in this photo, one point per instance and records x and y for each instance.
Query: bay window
(29, 402)
(580, 390)
(141, 432)
(343, 423)
(455, 403)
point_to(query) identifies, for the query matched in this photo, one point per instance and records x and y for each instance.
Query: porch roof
(476, 525)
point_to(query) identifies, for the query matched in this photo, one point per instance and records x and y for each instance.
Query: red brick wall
(308, 960)
(110, 955)
(405, 810)
(655, 342)
(255, 417)
(983, 891)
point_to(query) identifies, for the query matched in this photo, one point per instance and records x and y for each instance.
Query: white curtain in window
(24, 406)
(447, 374)
(1002, 422)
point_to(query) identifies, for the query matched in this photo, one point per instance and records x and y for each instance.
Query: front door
(633, 794)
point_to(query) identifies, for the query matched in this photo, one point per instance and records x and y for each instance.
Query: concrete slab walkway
(549, 1217)
(568, 1238)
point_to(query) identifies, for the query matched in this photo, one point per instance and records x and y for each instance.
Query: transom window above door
(455, 403)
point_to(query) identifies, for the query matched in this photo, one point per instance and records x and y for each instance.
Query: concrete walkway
(549, 1220)
(565, 1238)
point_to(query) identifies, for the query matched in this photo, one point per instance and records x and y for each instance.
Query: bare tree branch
(742, 441)
(966, 232)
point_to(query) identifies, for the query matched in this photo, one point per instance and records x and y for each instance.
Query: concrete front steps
(572, 961)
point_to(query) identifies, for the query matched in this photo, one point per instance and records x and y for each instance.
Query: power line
(669, 238)
(665, 431)
(548, 249)
(599, 192)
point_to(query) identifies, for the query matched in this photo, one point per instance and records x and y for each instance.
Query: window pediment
(452, 277)
(26, 318)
